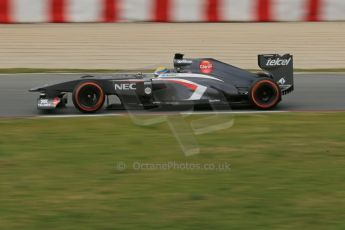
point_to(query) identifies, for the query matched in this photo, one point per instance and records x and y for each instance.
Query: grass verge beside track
(287, 172)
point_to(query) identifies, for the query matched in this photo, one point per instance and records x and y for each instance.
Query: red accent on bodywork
(56, 101)
(185, 84)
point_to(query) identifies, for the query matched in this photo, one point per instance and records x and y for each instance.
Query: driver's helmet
(161, 70)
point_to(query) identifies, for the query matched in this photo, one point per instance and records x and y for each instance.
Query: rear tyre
(265, 94)
(88, 97)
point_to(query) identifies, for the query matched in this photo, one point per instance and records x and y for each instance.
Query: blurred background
(131, 34)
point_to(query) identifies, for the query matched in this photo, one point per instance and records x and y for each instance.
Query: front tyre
(88, 97)
(265, 94)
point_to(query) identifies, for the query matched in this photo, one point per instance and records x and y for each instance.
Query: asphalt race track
(313, 92)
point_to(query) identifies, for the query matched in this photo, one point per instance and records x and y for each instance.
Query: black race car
(197, 81)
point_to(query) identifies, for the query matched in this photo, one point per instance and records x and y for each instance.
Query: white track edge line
(161, 114)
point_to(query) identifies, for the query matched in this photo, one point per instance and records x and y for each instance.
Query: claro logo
(206, 66)
(278, 62)
(125, 86)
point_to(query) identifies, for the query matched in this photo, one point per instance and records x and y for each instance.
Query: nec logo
(125, 86)
(278, 62)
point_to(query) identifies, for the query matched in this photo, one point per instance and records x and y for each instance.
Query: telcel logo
(125, 86)
(278, 61)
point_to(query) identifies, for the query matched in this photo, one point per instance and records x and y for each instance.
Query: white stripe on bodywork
(200, 90)
(198, 93)
(188, 75)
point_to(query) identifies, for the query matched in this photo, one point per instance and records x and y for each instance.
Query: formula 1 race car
(199, 81)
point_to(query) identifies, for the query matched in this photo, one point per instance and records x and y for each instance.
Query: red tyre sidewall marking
(257, 85)
(98, 104)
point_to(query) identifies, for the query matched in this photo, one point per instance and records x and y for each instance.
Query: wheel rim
(89, 96)
(265, 94)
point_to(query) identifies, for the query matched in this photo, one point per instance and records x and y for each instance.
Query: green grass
(287, 172)
(52, 70)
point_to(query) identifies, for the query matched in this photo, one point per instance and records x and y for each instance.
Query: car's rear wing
(280, 67)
